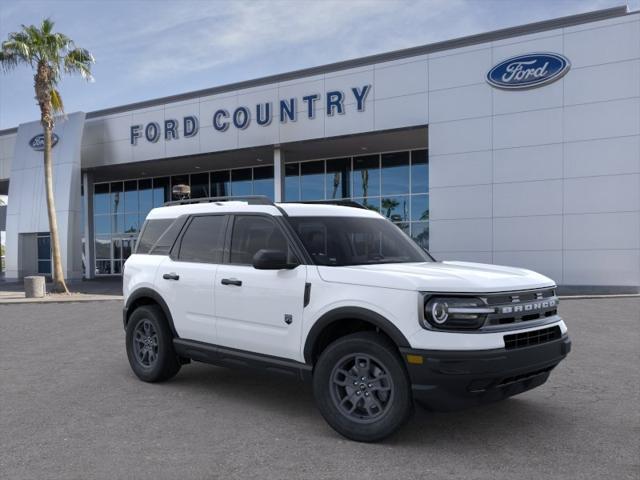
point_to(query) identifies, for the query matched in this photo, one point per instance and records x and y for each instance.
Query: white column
(87, 204)
(278, 174)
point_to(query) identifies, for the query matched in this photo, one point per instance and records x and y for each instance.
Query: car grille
(524, 306)
(534, 337)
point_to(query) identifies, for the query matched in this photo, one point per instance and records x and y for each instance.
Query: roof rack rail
(342, 203)
(250, 199)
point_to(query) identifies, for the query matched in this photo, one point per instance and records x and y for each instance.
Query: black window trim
(174, 253)
(287, 230)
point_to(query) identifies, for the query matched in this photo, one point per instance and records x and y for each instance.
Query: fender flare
(145, 292)
(355, 313)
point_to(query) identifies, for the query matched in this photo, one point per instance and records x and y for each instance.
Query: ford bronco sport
(341, 297)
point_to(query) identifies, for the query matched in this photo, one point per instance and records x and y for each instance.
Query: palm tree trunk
(59, 284)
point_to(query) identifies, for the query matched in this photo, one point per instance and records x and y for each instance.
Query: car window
(203, 241)
(151, 232)
(340, 241)
(252, 233)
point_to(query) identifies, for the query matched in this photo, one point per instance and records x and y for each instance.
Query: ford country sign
(37, 142)
(528, 71)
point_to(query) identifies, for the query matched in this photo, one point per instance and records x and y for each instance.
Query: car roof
(238, 206)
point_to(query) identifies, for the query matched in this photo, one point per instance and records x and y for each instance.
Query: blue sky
(148, 49)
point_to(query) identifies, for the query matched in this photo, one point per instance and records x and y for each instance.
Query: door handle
(231, 281)
(171, 276)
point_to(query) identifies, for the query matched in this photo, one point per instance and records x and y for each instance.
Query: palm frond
(56, 101)
(8, 60)
(79, 60)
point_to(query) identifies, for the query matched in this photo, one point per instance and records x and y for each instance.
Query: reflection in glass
(128, 245)
(220, 184)
(102, 224)
(241, 182)
(338, 178)
(103, 247)
(370, 203)
(263, 181)
(404, 227)
(145, 196)
(420, 233)
(199, 185)
(117, 247)
(292, 182)
(117, 223)
(395, 208)
(103, 267)
(44, 247)
(44, 267)
(178, 180)
(131, 223)
(160, 191)
(101, 198)
(312, 180)
(419, 207)
(366, 176)
(395, 173)
(117, 206)
(131, 203)
(419, 171)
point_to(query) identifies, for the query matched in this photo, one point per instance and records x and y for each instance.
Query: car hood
(462, 277)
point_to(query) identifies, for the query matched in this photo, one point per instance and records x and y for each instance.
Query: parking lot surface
(71, 408)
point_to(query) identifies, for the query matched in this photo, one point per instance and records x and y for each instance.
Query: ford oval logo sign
(37, 142)
(528, 71)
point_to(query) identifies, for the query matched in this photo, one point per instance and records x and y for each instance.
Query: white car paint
(249, 317)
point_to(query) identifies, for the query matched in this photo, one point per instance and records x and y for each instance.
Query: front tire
(150, 345)
(361, 387)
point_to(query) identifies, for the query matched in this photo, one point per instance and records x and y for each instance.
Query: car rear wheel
(150, 345)
(361, 387)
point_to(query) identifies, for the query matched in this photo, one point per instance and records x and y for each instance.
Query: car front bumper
(445, 380)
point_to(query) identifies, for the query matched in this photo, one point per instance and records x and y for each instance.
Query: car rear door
(186, 279)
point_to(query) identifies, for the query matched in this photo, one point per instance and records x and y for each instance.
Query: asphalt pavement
(71, 408)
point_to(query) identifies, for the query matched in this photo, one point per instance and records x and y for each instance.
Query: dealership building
(517, 147)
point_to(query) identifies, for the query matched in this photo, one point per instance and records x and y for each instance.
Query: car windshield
(340, 241)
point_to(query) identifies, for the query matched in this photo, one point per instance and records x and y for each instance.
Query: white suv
(340, 296)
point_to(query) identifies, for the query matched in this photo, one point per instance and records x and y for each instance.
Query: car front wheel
(150, 345)
(361, 387)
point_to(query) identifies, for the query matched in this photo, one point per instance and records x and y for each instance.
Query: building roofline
(535, 27)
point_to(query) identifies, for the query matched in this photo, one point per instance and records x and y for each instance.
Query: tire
(384, 402)
(150, 345)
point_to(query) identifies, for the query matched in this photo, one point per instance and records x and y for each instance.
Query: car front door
(186, 280)
(259, 310)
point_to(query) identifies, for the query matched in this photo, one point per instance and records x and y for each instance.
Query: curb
(18, 301)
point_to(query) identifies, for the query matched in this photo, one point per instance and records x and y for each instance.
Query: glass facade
(119, 208)
(396, 184)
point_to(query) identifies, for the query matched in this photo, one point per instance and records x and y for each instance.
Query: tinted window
(253, 233)
(151, 233)
(168, 238)
(203, 240)
(339, 241)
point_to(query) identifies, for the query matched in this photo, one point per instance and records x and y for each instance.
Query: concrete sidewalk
(81, 291)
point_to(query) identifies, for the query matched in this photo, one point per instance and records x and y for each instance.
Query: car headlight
(455, 313)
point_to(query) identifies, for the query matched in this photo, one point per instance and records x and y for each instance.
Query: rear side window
(151, 232)
(203, 241)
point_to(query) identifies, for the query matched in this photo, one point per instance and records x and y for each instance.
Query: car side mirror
(272, 260)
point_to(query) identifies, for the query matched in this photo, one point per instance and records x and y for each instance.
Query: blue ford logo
(528, 71)
(37, 142)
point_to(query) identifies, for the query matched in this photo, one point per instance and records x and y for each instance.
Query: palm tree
(50, 55)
